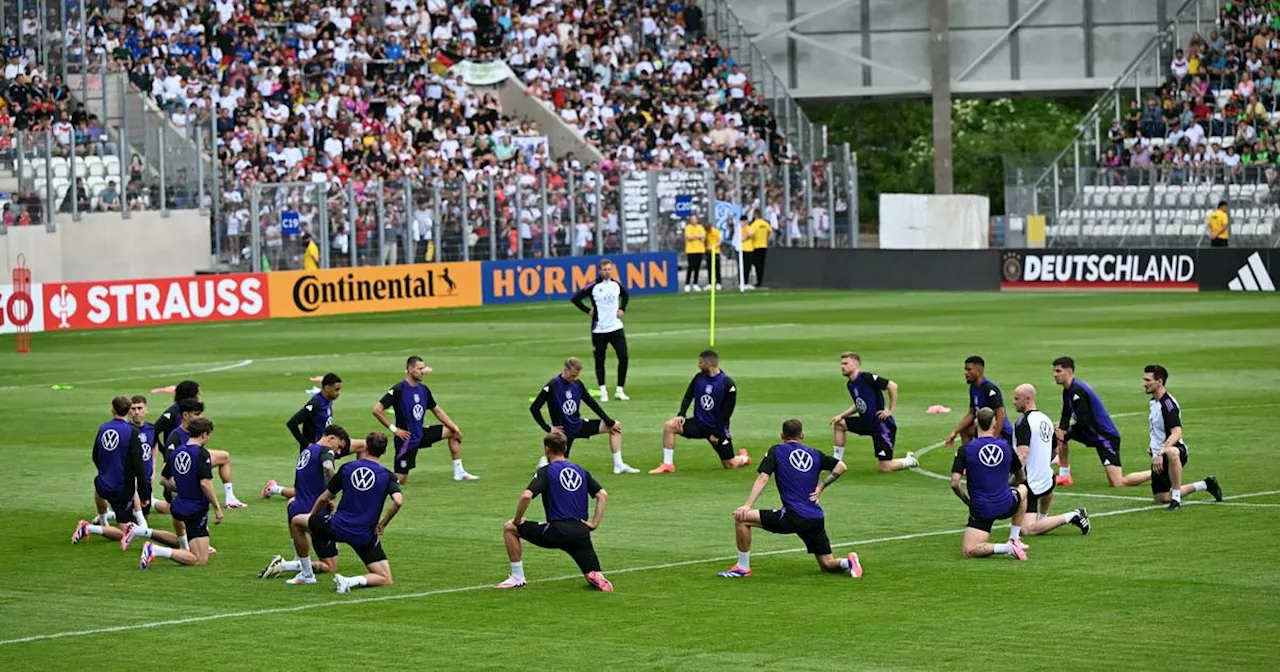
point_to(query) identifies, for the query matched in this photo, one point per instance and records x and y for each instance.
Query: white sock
(161, 551)
(357, 581)
(617, 460)
(617, 390)
(517, 570)
(844, 563)
(292, 565)
(142, 531)
(668, 455)
(155, 501)
(226, 489)
(101, 519)
(1003, 549)
(1015, 531)
(744, 559)
(1064, 471)
(457, 468)
(1176, 494)
(109, 516)
(95, 529)
(276, 490)
(604, 391)
(1200, 486)
(304, 564)
(910, 461)
(837, 452)
(182, 543)
(1069, 516)
(139, 519)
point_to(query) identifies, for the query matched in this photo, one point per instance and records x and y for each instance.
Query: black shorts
(326, 542)
(571, 536)
(1033, 500)
(1160, 482)
(121, 506)
(985, 524)
(696, 430)
(882, 440)
(407, 460)
(590, 427)
(197, 524)
(617, 339)
(812, 531)
(1108, 448)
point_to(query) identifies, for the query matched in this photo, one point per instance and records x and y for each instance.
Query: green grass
(1146, 589)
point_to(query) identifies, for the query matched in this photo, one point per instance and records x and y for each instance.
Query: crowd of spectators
(1215, 118)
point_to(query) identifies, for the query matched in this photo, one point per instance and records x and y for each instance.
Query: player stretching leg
(988, 461)
(1034, 441)
(797, 467)
(1168, 449)
(190, 389)
(608, 304)
(1092, 427)
(365, 486)
(117, 454)
(140, 528)
(983, 393)
(867, 415)
(189, 473)
(410, 399)
(308, 424)
(316, 467)
(565, 488)
(564, 396)
(717, 396)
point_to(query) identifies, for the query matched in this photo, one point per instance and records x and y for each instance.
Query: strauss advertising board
(134, 303)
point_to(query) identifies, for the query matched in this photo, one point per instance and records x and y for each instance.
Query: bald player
(1033, 436)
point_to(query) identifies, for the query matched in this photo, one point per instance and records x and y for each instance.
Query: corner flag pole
(714, 255)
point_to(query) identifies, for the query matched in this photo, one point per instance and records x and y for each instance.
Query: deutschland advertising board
(1206, 269)
(374, 289)
(523, 280)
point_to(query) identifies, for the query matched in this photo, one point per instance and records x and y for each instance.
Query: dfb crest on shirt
(416, 398)
(991, 455)
(362, 479)
(110, 440)
(707, 402)
(861, 404)
(182, 462)
(570, 405)
(570, 480)
(328, 421)
(304, 458)
(418, 411)
(801, 460)
(707, 390)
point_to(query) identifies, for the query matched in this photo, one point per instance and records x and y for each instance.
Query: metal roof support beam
(857, 58)
(991, 49)
(788, 26)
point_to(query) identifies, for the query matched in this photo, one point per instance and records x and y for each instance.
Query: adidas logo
(1252, 277)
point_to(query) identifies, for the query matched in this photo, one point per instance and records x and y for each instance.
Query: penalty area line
(568, 577)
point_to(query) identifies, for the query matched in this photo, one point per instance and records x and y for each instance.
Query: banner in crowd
(374, 289)
(688, 187)
(478, 73)
(1206, 269)
(21, 309)
(531, 144)
(521, 280)
(136, 303)
(727, 216)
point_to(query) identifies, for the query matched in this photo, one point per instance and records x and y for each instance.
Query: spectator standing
(1219, 222)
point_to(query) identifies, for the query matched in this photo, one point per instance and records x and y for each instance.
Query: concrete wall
(516, 102)
(102, 246)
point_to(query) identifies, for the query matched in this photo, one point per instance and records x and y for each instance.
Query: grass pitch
(1147, 589)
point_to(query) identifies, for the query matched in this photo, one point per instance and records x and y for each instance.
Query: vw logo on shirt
(569, 407)
(861, 404)
(801, 460)
(110, 440)
(362, 479)
(570, 480)
(182, 463)
(418, 411)
(991, 455)
(707, 402)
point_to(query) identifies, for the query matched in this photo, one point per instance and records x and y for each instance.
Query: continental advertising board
(374, 289)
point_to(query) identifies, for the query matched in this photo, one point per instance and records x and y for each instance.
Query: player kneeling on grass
(717, 396)
(118, 457)
(565, 488)
(988, 461)
(365, 485)
(189, 474)
(1034, 438)
(316, 467)
(797, 467)
(1168, 450)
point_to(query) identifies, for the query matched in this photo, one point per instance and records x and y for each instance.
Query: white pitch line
(216, 369)
(567, 577)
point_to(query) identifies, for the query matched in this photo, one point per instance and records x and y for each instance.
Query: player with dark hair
(717, 395)
(868, 415)
(983, 393)
(987, 462)
(169, 420)
(1168, 444)
(316, 467)
(797, 467)
(117, 455)
(565, 488)
(308, 424)
(1086, 420)
(189, 474)
(365, 485)
(564, 396)
(410, 399)
(140, 527)
(608, 298)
